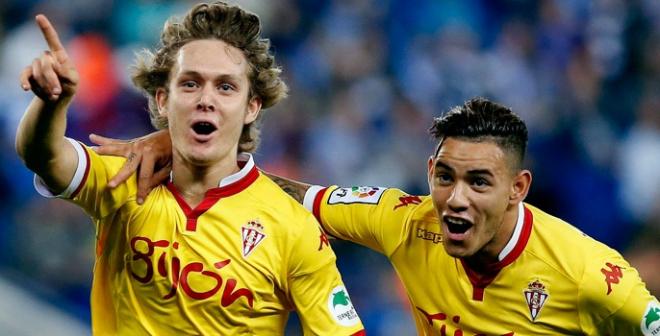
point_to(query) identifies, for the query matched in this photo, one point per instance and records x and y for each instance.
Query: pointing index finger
(50, 34)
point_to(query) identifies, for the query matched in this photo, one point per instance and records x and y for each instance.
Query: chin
(457, 250)
(201, 162)
(199, 159)
(204, 154)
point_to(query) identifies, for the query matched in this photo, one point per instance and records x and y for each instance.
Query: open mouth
(457, 225)
(203, 128)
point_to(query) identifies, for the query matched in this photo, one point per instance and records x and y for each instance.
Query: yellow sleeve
(370, 216)
(613, 298)
(316, 287)
(639, 315)
(88, 188)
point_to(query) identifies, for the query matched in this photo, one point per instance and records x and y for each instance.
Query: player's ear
(253, 109)
(161, 101)
(520, 186)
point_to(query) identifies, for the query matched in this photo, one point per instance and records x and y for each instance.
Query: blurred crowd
(366, 79)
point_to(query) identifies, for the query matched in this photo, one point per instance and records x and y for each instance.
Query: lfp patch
(651, 319)
(366, 195)
(341, 308)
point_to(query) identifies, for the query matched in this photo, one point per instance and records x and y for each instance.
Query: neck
(193, 181)
(490, 253)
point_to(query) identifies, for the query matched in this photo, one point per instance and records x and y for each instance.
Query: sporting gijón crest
(535, 295)
(252, 234)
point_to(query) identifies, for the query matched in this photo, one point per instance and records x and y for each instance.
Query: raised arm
(40, 138)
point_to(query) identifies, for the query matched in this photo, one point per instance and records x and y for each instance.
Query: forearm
(41, 144)
(294, 188)
(40, 132)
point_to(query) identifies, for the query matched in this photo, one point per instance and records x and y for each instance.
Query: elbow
(19, 147)
(35, 159)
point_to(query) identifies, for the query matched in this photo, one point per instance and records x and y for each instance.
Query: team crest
(535, 295)
(252, 234)
(365, 195)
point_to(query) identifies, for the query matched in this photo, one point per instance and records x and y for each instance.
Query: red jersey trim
(481, 280)
(360, 333)
(316, 210)
(211, 197)
(522, 242)
(84, 179)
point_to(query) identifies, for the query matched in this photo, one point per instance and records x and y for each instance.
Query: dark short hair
(480, 119)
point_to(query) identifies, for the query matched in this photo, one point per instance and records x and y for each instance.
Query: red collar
(246, 176)
(481, 280)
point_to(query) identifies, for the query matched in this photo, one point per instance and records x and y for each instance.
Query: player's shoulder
(272, 198)
(563, 236)
(565, 247)
(414, 208)
(384, 197)
(391, 204)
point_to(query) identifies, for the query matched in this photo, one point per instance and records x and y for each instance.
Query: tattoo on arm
(295, 189)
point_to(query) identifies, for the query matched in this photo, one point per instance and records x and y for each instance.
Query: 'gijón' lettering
(180, 274)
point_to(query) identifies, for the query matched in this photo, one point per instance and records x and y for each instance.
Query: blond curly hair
(230, 24)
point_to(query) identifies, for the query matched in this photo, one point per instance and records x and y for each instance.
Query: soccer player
(473, 257)
(218, 249)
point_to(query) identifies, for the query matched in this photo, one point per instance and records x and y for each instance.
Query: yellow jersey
(236, 264)
(551, 279)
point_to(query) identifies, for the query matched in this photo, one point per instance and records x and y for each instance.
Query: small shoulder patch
(651, 319)
(365, 195)
(341, 308)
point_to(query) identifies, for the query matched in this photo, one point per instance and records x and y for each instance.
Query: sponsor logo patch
(535, 295)
(651, 319)
(341, 308)
(366, 195)
(252, 234)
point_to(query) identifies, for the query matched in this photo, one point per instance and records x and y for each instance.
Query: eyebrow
(480, 172)
(470, 172)
(194, 73)
(442, 165)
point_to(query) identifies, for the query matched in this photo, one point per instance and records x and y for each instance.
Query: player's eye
(189, 84)
(480, 182)
(443, 178)
(225, 87)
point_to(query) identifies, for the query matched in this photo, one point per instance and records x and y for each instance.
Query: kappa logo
(429, 235)
(323, 240)
(341, 308)
(651, 319)
(365, 195)
(407, 200)
(612, 276)
(252, 234)
(535, 295)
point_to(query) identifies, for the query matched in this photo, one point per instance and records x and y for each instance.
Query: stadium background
(366, 79)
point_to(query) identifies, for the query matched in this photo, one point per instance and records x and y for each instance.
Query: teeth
(457, 225)
(456, 221)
